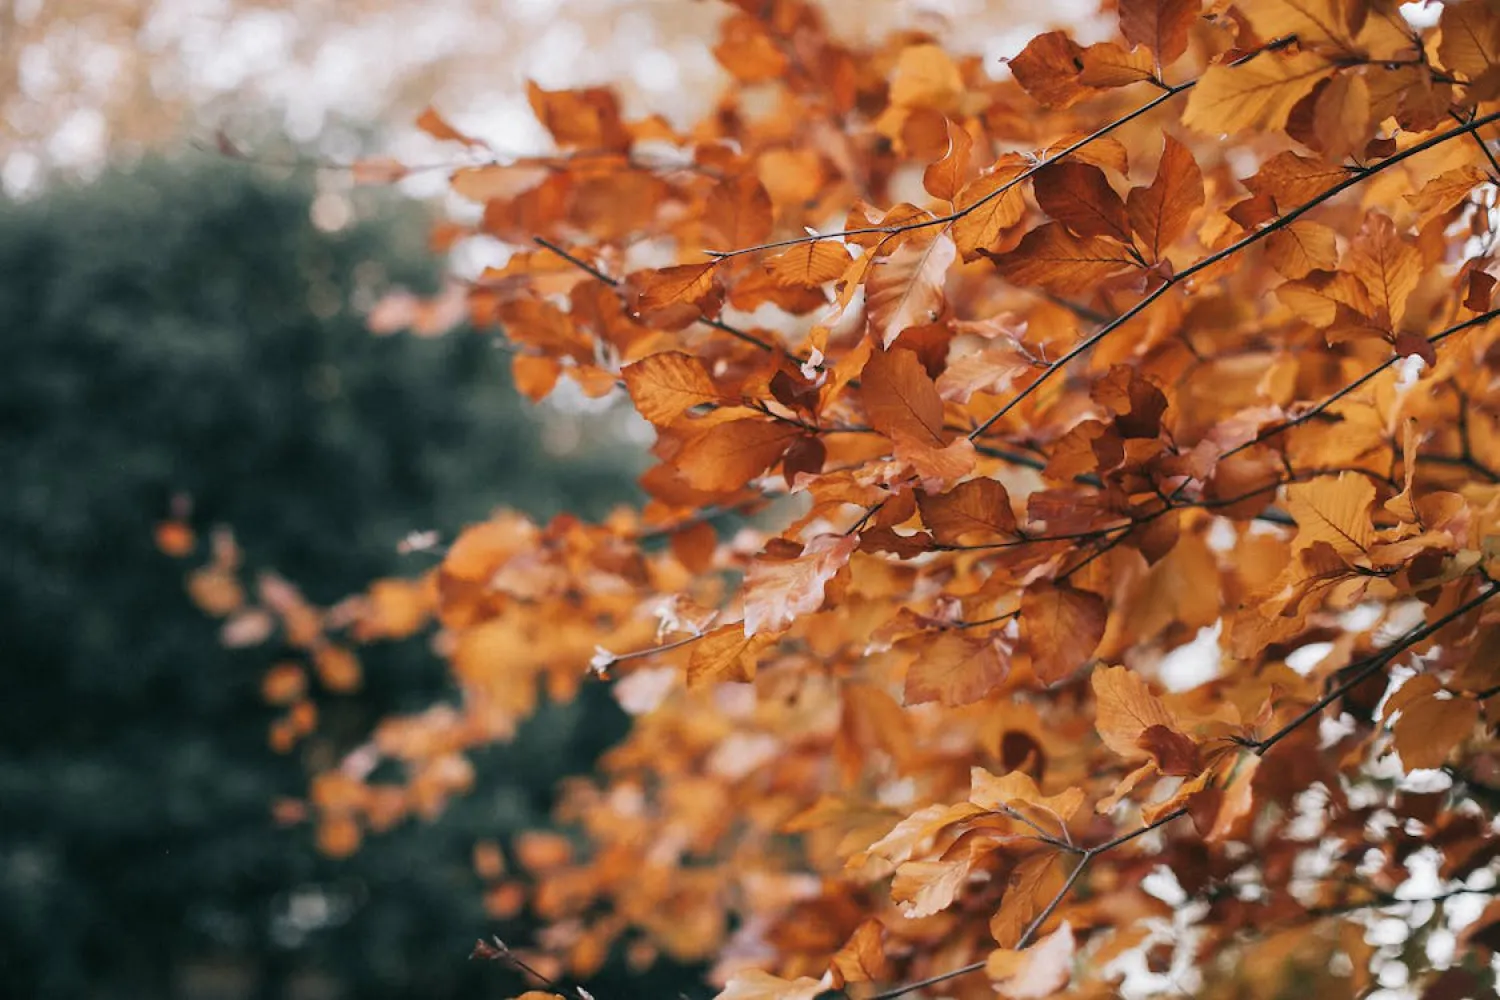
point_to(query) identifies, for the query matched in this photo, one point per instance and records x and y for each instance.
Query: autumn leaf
(1470, 44)
(926, 77)
(1313, 22)
(1017, 790)
(1258, 94)
(1106, 64)
(1387, 264)
(1062, 627)
(738, 213)
(1159, 214)
(808, 264)
(778, 591)
(1335, 510)
(748, 51)
(727, 456)
(1052, 258)
(1039, 971)
(1160, 25)
(901, 399)
(906, 289)
(725, 654)
(944, 178)
(1126, 708)
(862, 959)
(675, 296)
(1430, 727)
(437, 126)
(954, 669)
(990, 205)
(1079, 196)
(978, 508)
(1301, 247)
(666, 385)
(1048, 69)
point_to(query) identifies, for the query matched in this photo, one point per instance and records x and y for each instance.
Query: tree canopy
(1122, 435)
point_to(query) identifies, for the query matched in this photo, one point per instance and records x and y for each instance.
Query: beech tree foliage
(1121, 432)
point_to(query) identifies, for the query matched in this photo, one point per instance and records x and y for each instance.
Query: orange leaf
(1079, 196)
(1258, 94)
(534, 376)
(1429, 728)
(862, 958)
(954, 669)
(738, 213)
(725, 654)
(1125, 709)
(1053, 258)
(926, 77)
(900, 398)
(1335, 510)
(687, 285)
(1062, 627)
(747, 51)
(976, 508)
(1108, 65)
(1048, 69)
(906, 289)
(727, 456)
(986, 212)
(944, 178)
(1031, 885)
(587, 119)
(809, 264)
(664, 386)
(435, 125)
(1314, 22)
(1302, 247)
(778, 591)
(1160, 25)
(1159, 214)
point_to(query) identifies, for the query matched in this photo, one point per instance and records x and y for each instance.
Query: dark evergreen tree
(178, 330)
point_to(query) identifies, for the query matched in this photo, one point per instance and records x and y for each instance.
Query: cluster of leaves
(1042, 375)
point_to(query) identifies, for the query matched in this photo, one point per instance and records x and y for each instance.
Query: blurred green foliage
(187, 330)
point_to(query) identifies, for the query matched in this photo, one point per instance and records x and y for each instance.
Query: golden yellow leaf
(1125, 708)
(1335, 510)
(1258, 94)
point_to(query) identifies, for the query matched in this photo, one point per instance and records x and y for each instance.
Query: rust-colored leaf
(727, 456)
(1430, 727)
(1052, 258)
(1079, 196)
(978, 509)
(901, 399)
(1062, 626)
(1160, 25)
(1159, 214)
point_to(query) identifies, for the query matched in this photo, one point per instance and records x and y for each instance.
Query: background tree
(187, 330)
